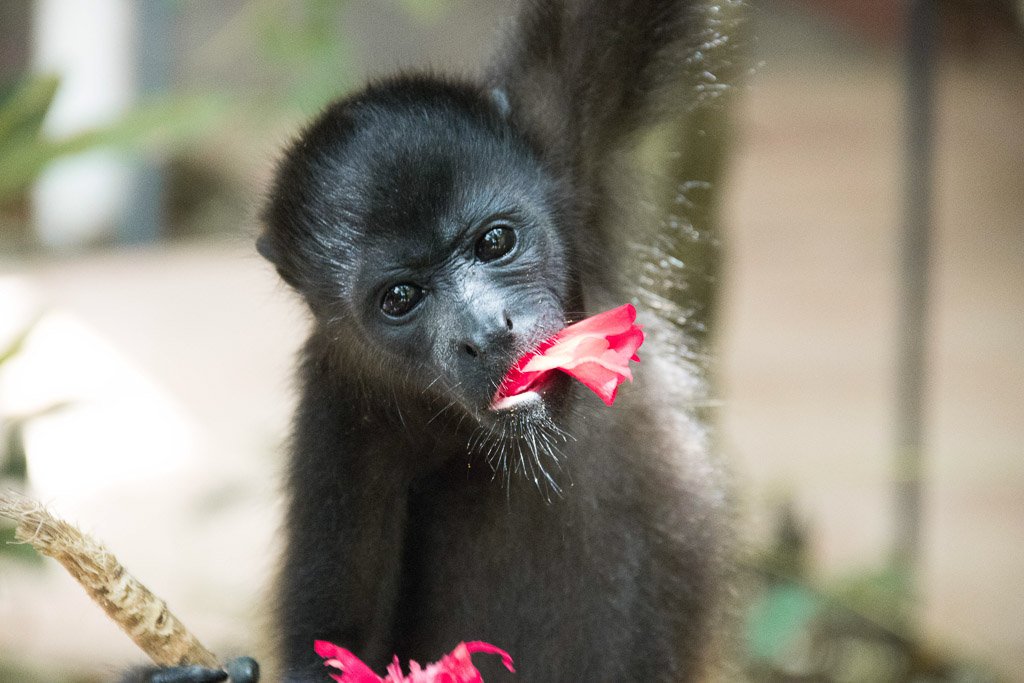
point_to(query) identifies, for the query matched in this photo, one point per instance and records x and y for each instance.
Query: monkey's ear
(269, 249)
(500, 100)
(266, 249)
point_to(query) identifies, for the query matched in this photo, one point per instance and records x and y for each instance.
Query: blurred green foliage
(13, 465)
(858, 628)
(304, 42)
(22, 109)
(778, 619)
(25, 150)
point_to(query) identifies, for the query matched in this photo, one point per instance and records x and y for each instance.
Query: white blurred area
(157, 436)
(101, 422)
(80, 200)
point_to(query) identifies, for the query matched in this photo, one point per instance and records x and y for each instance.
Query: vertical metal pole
(144, 217)
(913, 305)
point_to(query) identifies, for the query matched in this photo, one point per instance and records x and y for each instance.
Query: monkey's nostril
(508, 321)
(471, 350)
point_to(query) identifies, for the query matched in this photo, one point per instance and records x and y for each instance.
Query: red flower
(456, 667)
(596, 351)
(352, 668)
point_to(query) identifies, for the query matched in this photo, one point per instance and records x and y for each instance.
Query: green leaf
(883, 596)
(778, 618)
(23, 108)
(159, 123)
(15, 346)
(12, 547)
(13, 462)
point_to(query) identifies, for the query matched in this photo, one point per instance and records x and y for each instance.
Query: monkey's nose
(496, 338)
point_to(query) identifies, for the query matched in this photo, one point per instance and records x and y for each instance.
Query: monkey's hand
(240, 670)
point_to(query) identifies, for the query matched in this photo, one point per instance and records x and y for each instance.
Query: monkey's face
(429, 243)
(461, 269)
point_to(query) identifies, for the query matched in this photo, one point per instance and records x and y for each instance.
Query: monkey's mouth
(519, 396)
(596, 351)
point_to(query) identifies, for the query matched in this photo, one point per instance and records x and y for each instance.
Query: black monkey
(437, 229)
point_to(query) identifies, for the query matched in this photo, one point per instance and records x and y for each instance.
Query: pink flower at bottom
(456, 667)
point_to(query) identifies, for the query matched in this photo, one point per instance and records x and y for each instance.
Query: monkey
(437, 228)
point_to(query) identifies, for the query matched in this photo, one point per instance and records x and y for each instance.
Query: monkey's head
(429, 241)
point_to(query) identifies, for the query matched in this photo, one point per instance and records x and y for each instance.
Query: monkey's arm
(585, 80)
(588, 79)
(584, 75)
(345, 529)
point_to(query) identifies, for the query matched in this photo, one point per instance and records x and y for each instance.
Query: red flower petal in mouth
(596, 351)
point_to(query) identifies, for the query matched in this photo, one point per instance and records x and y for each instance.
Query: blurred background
(869, 329)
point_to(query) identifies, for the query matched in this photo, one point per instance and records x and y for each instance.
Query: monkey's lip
(510, 402)
(529, 394)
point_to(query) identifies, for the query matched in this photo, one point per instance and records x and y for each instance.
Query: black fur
(586, 541)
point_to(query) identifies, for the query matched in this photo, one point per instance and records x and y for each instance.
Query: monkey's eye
(400, 300)
(495, 243)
